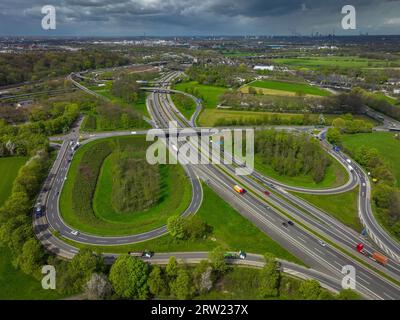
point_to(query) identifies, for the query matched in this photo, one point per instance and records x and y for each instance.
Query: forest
(33, 66)
(292, 154)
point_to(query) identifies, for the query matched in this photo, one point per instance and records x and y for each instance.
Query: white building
(263, 68)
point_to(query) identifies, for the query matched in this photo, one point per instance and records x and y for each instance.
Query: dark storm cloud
(130, 17)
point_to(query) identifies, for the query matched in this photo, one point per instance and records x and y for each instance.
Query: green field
(384, 142)
(208, 94)
(9, 168)
(225, 222)
(335, 176)
(95, 214)
(341, 206)
(185, 105)
(290, 87)
(16, 285)
(331, 61)
(220, 117)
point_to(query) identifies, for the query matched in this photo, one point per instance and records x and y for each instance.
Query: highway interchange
(267, 213)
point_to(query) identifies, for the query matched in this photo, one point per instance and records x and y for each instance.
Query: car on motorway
(290, 223)
(348, 160)
(284, 224)
(39, 210)
(74, 232)
(133, 132)
(323, 244)
(266, 192)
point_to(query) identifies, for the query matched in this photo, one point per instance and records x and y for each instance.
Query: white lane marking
(365, 281)
(390, 297)
(302, 239)
(321, 252)
(337, 263)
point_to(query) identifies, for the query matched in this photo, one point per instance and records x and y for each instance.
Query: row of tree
(192, 227)
(292, 154)
(219, 75)
(33, 66)
(386, 195)
(15, 216)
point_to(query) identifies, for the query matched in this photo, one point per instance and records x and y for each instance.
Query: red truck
(380, 258)
(376, 256)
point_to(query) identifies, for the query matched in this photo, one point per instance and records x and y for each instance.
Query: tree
(31, 258)
(156, 282)
(176, 227)
(172, 268)
(202, 277)
(348, 294)
(333, 136)
(80, 269)
(310, 290)
(217, 260)
(382, 194)
(98, 287)
(195, 227)
(270, 277)
(182, 286)
(128, 276)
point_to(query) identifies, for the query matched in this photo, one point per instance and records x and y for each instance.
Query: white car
(74, 232)
(133, 132)
(348, 160)
(322, 243)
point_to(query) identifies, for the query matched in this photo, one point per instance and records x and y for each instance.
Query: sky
(197, 17)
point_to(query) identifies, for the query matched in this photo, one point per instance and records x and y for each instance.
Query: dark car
(147, 254)
(290, 223)
(284, 224)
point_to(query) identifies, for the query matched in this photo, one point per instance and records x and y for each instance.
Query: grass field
(185, 105)
(213, 117)
(341, 206)
(331, 61)
(97, 216)
(384, 142)
(335, 176)
(15, 285)
(208, 94)
(9, 168)
(225, 222)
(286, 88)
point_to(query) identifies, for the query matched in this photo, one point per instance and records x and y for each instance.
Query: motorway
(296, 239)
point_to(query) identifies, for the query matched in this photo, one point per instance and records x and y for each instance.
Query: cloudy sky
(197, 17)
